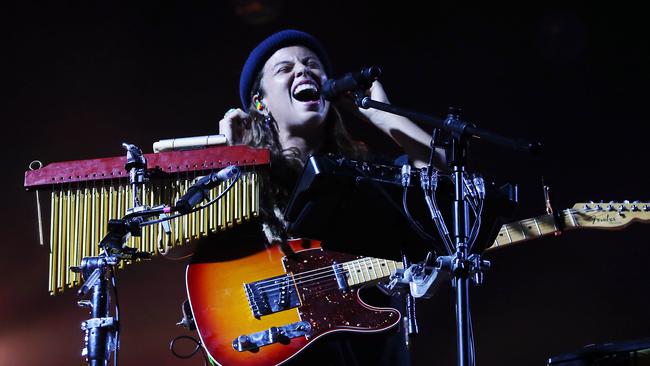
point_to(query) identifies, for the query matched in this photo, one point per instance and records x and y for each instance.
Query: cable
(430, 197)
(198, 348)
(472, 351)
(212, 201)
(412, 221)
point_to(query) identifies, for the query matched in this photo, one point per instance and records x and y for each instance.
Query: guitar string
(303, 282)
(329, 274)
(323, 286)
(361, 263)
(300, 277)
(328, 269)
(314, 282)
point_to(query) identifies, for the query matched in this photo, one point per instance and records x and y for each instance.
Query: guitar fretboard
(366, 269)
(531, 228)
(607, 216)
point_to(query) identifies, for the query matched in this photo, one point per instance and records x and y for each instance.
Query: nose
(302, 70)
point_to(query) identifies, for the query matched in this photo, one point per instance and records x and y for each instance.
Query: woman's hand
(376, 92)
(233, 124)
(408, 135)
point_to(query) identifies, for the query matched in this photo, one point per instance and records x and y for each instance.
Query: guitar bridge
(253, 341)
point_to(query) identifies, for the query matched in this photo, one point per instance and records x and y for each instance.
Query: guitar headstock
(610, 215)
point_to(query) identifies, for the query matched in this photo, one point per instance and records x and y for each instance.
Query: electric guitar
(264, 308)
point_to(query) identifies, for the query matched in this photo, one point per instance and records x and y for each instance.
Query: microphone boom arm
(458, 128)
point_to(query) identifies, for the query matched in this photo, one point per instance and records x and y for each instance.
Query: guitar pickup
(272, 295)
(253, 341)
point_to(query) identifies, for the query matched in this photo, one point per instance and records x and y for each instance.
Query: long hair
(287, 164)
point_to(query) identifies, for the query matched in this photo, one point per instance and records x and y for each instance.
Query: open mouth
(306, 91)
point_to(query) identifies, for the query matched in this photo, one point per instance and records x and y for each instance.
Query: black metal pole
(98, 349)
(457, 162)
(461, 267)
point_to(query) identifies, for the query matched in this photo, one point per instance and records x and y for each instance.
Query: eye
(314, 64)
(283, 69)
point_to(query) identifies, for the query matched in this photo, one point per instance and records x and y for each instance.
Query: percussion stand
(459, 264)
(102, 330)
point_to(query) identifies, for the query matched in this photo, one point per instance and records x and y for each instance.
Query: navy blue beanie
(267, 48)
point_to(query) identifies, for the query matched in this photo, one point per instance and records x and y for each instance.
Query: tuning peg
(609, 207)
(626, 202)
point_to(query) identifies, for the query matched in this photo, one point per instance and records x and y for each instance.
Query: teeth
(306, 86)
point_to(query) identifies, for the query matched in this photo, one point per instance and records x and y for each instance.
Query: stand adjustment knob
(85, 304)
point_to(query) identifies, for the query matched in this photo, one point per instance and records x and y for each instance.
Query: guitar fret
(573, 220)
(554, 223)
(365, 266)
(353, 273)
(496, 240)
(523, 231)
(537, 225)
(374, 268)
(350, 276)
(381, 267)
(360, 272)
(508, 233)
(389, 262)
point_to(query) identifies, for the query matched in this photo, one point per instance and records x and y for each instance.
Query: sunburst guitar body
(264, 308)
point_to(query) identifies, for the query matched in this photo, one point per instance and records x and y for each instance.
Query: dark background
(84, 77)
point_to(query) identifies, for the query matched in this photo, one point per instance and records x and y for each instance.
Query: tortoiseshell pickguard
(327, 307)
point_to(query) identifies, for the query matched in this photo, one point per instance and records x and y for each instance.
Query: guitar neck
(367, 270)
(536, 227)
(583, 215)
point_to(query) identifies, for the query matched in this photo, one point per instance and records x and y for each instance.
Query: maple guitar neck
(582, 215)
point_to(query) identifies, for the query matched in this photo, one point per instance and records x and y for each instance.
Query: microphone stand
(102, 330)
(459, 264)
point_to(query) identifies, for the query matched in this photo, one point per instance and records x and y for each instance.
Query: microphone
(200, 190)
(359, 80)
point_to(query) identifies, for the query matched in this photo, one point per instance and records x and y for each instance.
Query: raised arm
(408, 135)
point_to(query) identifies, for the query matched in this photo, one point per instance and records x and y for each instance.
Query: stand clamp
(423, 279)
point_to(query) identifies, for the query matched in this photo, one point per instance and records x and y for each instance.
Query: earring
(267, 121)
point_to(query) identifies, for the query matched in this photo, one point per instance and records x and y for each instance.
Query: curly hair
(287, 164)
